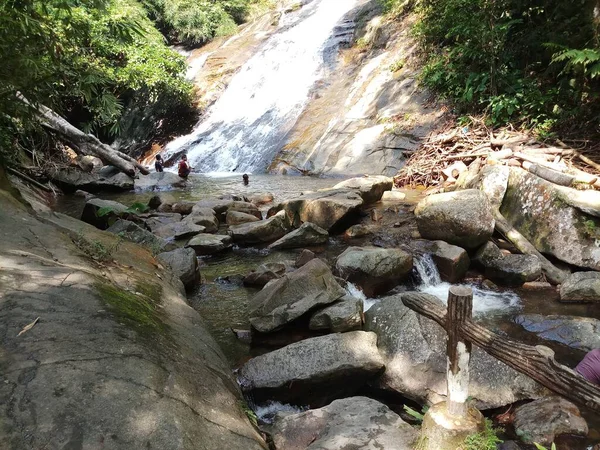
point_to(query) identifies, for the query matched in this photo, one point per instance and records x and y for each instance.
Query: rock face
(117, 361)
(451, 261)
(265, 273)
(159, 181)
(344, 315)
(293, 295)
(262, 231)
(581, 287)
(238, 218)
(350, 423)
(308, 234)
(135, 233)
(314, 371)
(537, 209)
(183, 263)
(582, 333)
(326, 209)
(73, 179)
(462, 218)
(370, 188)
(102, 213)
(542, 420)
(414, 351)
(510, 270)
(209, 244)
(375, 270)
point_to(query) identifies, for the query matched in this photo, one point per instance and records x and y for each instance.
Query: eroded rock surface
(581, 287)
(582, 333)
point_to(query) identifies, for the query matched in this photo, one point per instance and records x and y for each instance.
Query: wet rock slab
(159, 181)
(209, 244)
(370, 188)
(581, 287)
(582, 333)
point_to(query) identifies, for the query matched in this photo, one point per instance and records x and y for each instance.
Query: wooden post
(460, 309)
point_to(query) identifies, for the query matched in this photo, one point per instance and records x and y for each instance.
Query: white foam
(355, 292)
(266, 413)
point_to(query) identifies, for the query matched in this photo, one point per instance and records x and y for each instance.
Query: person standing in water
(246, 179)
(158, 164)
(184, 168)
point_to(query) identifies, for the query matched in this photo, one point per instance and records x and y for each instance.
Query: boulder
(414, 351)
(268, 230)
(308, 234)
(205, 217)
(133, 232)
(102, 213)
(314, 371)
(179, 230)
(327, 209)
(245, 207)
(451, 261)
(183, 263)
(510, 270)
(493, 182)
(370, 188)
(265, 273)
(582, 333)
(154, 202)
(72, 179)
(393, 196)
(238, 218)
(283, 301)
(462, 218)
(581, 287)
(158, 220)
(304, 257)
(357, 231)
(159, 181)
(209, 244)
(375, 270)
(344, 315)
(261, 199)
(542, 420)
(538, 210)
(349, 423)
(183, 207)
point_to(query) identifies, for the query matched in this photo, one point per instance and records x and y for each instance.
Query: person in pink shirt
(589, 367)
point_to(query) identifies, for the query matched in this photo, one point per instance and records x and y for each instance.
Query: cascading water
(247, 125)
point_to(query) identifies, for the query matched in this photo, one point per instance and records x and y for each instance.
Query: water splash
(355, 292)
(266, 413)
(247, 125)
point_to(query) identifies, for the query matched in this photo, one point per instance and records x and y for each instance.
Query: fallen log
(587, 160)
(29, 179)
(562, 179)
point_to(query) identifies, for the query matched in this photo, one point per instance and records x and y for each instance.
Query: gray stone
(582, 333)
(357, 423)
(73, 179)
(133, 232)
(102, 213)
(581, 287)
(375, 270)
(238, 218)
(536, 208)
(462, 218)
(493, 182)
(370, 188)
(308, 234)
(393, 196)
(179, 230)
(344, 315)
(261, 199)
(265, 273)
(304, 257)
(510, 270)
(183, 263)
(356, 231)
(268, 230)
(543, 420)
(327, 209)
(452, 261)
(183, 207)
(245, 207)
(414, 352)
(157, 220)
(205, 217)
(209, 244)
(284, 300)
(159, 181)
(314, 371)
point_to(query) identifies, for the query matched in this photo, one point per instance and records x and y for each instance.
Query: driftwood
(85, 144)
(550, 175)
(29, 179)
(536, 362)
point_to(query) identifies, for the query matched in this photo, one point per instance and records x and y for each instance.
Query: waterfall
(427, 270)
(247, 125)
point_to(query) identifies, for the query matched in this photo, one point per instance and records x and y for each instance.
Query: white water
(267, 412)
(355, 292)
(247, 125)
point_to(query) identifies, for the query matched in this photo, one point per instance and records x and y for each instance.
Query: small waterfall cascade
(245, 128)
(427, 270)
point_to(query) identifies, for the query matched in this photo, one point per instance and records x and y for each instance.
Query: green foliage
(484, 440)
(249, 413)
(396, 65)
(94, 248)
(411, 412)
(541, 447)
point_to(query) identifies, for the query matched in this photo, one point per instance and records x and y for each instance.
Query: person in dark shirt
(246, 179)
(158, 164)
(589, 367)
(184, 168)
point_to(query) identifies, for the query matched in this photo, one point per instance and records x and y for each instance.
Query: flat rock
(209, 244)
(308, 234)
(370, 188)
(357, 423)
(509, 270)
(133, 232)
(286, 299)
(268, 230)
(375, 270)
(238, 218)
(102, 213)
(543, 420)
(157, 220)
(414, 351)
(314, 371)
(343, 315)
(183, 263)
(582, 333)
(581, 287)
(265, 273)
(159, 181)
(462, 218)
(72, 179)
(179, 230)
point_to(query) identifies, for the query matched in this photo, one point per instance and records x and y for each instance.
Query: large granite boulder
(462, 218)
(286, 299)
(265, 273)
(209, 244)
(542, 420)
(261, 198)
(71, 179)
(375, 270)
(102, 213)
(414, 351)
(452, 262)
(509, 270)
(268, 230)
(370, 188)
(205, 217)
(344, 315)
(582, 333)
(328, 209)
(537, 208)
(314, 371)
(358, 423)
(133, 232)
(308, 234)
(581, 287)
(183, 263)
(159, 181)
(493, 182)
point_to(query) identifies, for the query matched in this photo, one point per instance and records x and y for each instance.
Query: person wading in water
(158, 164)
(184, 168)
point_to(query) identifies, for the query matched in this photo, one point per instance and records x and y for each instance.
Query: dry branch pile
(441, 160)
